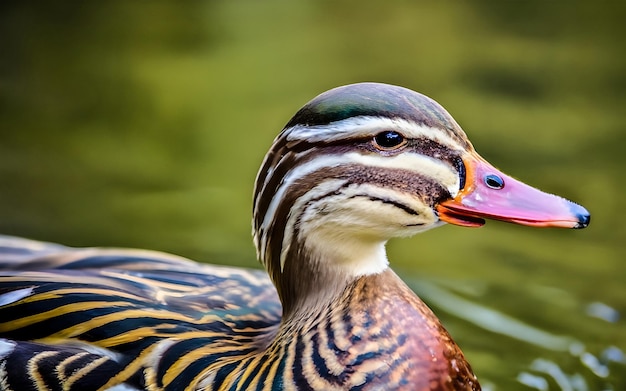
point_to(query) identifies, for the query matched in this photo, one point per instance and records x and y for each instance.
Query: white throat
(349, 256)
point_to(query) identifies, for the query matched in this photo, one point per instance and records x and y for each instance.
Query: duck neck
(317, 276)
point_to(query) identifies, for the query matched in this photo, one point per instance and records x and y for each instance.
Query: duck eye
(389, 140)
(494, 182)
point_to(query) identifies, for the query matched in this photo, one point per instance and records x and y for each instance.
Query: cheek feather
(347, 225)
(295, 216)
(360, 168)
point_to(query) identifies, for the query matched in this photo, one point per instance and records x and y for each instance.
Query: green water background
(142, 124)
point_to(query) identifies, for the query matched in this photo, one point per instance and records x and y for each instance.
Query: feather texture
(82, 319)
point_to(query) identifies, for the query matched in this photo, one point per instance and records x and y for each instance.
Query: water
(143, 125)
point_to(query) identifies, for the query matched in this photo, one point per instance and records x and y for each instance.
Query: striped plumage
(354, 167)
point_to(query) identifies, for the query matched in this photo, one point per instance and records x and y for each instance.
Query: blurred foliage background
(142, 124)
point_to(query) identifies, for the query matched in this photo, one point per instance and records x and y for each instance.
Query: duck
(355, 167)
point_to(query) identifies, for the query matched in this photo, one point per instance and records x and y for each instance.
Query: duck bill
(490, 194)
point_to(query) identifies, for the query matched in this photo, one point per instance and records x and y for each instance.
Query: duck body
(356, 166)
(176, 320)
(147, 318)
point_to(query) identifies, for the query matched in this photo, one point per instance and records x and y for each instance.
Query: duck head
(363, 163)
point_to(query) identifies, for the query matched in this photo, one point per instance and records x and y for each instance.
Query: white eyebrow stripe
(365, 126)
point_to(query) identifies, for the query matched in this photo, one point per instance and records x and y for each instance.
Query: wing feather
(120, 314)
